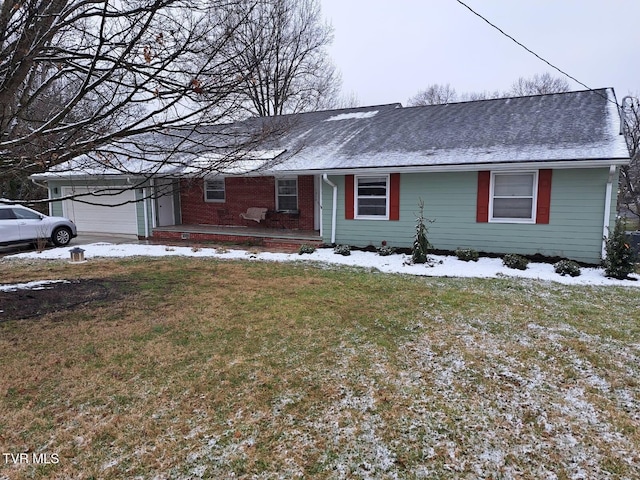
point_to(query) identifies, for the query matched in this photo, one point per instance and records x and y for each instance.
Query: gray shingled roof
(575, 128)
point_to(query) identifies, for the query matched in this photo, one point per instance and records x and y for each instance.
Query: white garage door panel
(103, 218)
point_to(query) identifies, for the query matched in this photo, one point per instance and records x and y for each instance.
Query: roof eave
(46, 177)
(464, 167)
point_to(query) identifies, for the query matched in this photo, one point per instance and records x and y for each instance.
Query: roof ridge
(598, 91)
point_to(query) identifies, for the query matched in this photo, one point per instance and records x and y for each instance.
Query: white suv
(20, 224)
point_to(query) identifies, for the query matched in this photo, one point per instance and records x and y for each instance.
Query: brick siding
(288, 245)
(240, 194)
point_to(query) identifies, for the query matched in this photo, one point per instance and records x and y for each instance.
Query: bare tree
(538, 85)
(349, 100)
(99, 77)
(630, 174)
(436, 94)
(483, 95)
(282, 49)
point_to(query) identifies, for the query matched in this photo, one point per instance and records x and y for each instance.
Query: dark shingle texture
(571, 126)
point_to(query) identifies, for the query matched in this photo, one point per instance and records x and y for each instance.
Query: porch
(259, 236)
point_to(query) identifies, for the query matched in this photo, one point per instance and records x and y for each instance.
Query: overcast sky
(388, 50)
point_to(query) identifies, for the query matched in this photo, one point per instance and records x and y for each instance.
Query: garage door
(108, 217)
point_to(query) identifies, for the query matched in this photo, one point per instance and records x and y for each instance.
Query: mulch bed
(55, 297)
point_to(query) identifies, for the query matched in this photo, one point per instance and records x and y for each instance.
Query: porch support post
(153, 192)
(334, 207)
(146, 215)
(317, 182)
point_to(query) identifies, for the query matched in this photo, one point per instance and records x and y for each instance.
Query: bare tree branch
(630, 174)
(437, 94)
(83, 76)
(100, 81)
(539, 85)
(285, 40)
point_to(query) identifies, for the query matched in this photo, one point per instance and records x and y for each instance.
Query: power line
(532, 52)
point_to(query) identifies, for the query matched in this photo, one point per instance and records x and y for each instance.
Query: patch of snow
(443, 266)
(250, 161)
(577, 405)
(198, 471)
(111, 463)
(38, 285)
(352, 116)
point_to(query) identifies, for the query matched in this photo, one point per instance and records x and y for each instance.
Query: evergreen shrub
(306, 248)
(467, 254)
(511, 260)
(567, 267)
(620, 259)
(385, 250)
(421, 245)
(344, 250)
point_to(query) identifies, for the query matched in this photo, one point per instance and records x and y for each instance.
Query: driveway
(81, 239)
(84, 239)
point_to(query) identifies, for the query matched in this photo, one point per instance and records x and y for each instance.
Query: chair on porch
(257, 214)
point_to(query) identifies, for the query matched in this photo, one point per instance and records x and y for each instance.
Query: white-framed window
(513, 197)
(214, 190)
(372, 197)
(287, 194)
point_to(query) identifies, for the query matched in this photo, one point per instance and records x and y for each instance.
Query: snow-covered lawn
(441, 266)
(259, 370)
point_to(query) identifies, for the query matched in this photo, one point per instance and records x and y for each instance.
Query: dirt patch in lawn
(55, 297)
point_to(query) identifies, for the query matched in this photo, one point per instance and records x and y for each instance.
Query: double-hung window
(372, 197)
(287, 194)
(214, 190)
(513, 197)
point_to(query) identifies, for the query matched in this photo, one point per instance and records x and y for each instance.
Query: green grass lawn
(213, 369)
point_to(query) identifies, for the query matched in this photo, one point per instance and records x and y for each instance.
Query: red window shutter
(348, 197)
(394, 197)
(543, 206)
(482, 204)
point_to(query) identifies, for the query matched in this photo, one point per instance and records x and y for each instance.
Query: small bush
(512, 260)
(421, 245)
(467, 254)
(305, 248)
(344, 250)
(41, 244)
(567, 267)
(385, 250)
(620, 259)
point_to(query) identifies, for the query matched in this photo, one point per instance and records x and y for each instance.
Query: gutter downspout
(334, 208)
(318, 183)
(607, 210)
(145, 213)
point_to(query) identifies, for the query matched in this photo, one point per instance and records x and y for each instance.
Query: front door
(164, 203)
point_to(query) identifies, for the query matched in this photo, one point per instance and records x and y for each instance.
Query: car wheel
(61, 236)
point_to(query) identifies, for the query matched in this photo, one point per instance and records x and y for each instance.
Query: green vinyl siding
(140, 211)
(574, 229)
(55, 191)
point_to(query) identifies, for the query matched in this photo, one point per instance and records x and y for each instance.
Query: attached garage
(115, 213)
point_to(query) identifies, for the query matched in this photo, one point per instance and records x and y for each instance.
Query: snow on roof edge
(352, 116)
